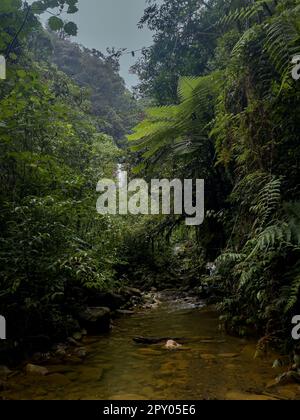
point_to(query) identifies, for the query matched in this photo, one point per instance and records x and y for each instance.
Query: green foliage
(179, 129)
(54, 247)
(112, 105)
(18, 20)
(236, 124)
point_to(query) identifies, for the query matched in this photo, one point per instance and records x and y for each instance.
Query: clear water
(209, 365)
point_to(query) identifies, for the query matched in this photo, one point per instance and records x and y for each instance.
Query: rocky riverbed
(187, 357)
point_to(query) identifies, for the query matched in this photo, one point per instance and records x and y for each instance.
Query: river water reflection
(209, 365)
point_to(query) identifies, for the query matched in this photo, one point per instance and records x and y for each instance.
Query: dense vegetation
(54, 247)
(114, 107)
(226, 110)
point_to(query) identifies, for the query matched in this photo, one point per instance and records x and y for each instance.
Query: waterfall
(121, 177)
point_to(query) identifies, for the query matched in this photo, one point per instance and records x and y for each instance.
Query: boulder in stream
(130, 291)
(109, 300)
(95, 320)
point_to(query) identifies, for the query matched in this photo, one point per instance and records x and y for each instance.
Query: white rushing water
(121, 177)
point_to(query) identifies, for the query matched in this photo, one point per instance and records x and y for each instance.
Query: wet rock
(132, 296)
(133, 291)
(96, 320)
(38, 357)
(288, 378)
(72, 342)
(80, 352)
(61, 352)
(172, 345)
(36, 370)
(134, 301)
(77, 336)
(277, 364)
(124, 312)
(4, 372)
(74, 360)
(228, 355)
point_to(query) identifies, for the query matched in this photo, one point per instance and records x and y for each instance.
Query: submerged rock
(228, 355)
(208, 357)
(57, 379)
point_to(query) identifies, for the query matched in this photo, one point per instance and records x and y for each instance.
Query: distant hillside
(112, 103)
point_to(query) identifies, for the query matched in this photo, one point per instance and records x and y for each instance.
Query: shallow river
(209, 365)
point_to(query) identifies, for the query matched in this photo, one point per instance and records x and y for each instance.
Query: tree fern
(182, 128)
(267, 200)
(293, 294)
(245, 14)
(281, 37)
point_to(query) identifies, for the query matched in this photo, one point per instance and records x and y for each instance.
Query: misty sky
(112, 23)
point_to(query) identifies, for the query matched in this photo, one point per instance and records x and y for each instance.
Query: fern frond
(293, 294)
(247, 13)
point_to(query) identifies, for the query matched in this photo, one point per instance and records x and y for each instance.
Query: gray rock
(61, 352)
(130, 291)
(36, 370)
(80, 352)
(96, 320)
